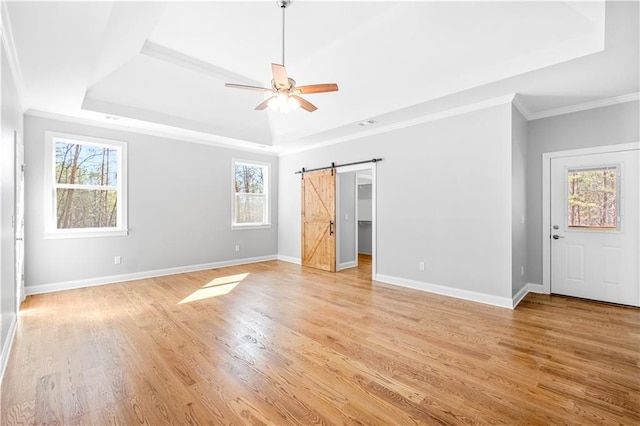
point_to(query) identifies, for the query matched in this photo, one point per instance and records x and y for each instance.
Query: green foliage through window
(86, 185)
(593, 198)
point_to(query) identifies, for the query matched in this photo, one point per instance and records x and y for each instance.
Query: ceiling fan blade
(280, 76)
(242, 86)
(305, 104)
(264, 104)
(316, 88)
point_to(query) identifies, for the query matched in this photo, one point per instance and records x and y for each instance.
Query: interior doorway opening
(356, 219)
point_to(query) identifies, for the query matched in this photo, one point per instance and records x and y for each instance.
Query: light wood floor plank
(291, 345)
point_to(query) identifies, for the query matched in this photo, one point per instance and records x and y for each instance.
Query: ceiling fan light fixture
(283, 103)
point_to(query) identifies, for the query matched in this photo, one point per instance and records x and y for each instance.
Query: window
(85, 186)
(593, 198)
(250, 194)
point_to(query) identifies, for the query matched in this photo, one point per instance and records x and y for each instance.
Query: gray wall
(365, 230)
(11, 119)
(519, 132)
(609, 125)
(346, 227)
(179, 204)
(443, 197)
(179, 199)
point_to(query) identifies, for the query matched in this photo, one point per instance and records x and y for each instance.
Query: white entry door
(595, 227)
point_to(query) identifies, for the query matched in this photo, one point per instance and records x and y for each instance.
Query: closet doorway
(356, 219)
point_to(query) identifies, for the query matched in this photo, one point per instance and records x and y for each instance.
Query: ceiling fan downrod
(283, 5)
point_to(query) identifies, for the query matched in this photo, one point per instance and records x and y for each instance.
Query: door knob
(556, 236)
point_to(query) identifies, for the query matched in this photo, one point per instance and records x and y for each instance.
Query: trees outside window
(593, 198)
(250, 194)
(86, 185)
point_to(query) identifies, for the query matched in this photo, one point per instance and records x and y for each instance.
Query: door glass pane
(593, 198)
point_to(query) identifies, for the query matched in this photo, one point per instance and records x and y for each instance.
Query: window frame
(267, 186)
(50, 186)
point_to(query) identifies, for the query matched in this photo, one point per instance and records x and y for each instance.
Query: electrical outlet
(421, 266)
(346, 216)
(522, 271)
(237, 247)
(117, 260)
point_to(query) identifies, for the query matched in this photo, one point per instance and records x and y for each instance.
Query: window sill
(249, 227)
(55, 235)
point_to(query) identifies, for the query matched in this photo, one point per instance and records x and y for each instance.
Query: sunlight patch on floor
(27, 311)
(227, 280)
(217, 287)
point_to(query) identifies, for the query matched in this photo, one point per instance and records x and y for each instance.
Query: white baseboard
(290, 259)
(536, 288)
(346, 265)
(517, 298)
(528, 288)
(90, 282)
(6, 347)
(503, 302)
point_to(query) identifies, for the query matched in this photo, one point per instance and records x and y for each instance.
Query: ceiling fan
(285, 92)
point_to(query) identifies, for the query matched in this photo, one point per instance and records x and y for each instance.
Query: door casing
(357, 167)
(19, 167)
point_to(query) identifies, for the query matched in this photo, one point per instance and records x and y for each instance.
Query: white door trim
(546, 198)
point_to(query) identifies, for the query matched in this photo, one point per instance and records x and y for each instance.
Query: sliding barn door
(319, 220)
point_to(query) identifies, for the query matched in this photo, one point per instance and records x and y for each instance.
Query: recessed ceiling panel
(246, 37)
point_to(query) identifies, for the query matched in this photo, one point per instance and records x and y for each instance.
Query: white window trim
(50, 223)
(239, 226)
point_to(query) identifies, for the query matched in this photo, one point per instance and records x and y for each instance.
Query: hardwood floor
(290, 345)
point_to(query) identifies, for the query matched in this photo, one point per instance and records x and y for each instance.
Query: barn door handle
(331, 228)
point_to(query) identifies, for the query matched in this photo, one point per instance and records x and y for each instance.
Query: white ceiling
(162, 66)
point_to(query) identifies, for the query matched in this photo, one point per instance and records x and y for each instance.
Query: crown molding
(408, 123)
(586, 106)
(6, 34)
(167, 132)
(520, 106)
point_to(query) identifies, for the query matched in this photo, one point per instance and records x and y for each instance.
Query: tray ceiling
(163, 66)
